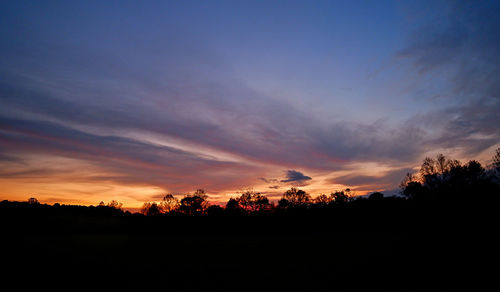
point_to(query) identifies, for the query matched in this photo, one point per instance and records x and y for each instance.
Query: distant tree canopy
(115, 204)
(33, 201)
(250, 202)
(190, 204)
(294, 198)
(443, 178)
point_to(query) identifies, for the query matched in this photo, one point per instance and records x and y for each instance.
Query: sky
(131, 100)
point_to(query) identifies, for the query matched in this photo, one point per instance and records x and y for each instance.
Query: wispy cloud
(462, 47)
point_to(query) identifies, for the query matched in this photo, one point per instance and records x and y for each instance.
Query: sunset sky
(130, 100)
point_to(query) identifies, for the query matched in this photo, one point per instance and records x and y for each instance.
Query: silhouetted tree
(322, 200)
(283, 204)
(214, 210)
(232, 203)
(202, 194)
(414, 190)
(475, 169)
(409, 177)
(434, 171)
(341, 197)
(496, 160)
(233, 207)
(194, 204)
(453, 163)
(251, 201)
(115, 205)
(494, 170)
(296, 197)
(150, 209)
(448, 181)
(33, 201)
(428, 167)
(169, 203)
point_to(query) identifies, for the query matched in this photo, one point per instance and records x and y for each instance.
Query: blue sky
(131, 99)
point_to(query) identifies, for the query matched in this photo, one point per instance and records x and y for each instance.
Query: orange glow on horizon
(53, 179)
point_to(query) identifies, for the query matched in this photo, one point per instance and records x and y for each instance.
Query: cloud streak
(130, 161)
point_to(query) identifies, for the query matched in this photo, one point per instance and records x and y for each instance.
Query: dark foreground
(394, 248)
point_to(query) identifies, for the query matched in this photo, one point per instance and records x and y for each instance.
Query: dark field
(396, 248)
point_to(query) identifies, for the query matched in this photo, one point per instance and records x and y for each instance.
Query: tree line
(249, 202)
(440, 180)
